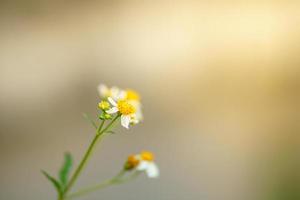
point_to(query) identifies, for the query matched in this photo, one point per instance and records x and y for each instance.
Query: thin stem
(100, 127)
(82, 164)
(104, 184)
(129, 178)
(99, 134)
(114, 181)
(109, 125)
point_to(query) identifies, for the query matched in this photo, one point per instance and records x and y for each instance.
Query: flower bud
(104, 105)
(131, 163)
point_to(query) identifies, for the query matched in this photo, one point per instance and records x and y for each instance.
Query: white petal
(114, 89)
(139, 114)
(133, 119)
(138, 107)
(112, 110)
(121, 95)
(143, 165)
(152, 170)
(102, 89)
(111, 101)
(125, 120)
(115, 92)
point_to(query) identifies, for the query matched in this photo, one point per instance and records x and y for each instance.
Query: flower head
(143, 162)
(124, 102)
(125, 109)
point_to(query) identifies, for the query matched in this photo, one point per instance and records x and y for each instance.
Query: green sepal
(105, 116)
(102, 117)
(55, 183)
(65, 170)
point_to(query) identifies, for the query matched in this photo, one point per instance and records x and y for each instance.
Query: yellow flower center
(148, 156)
(132, 162)
(104, 105)
(132, 95)
(125, 108)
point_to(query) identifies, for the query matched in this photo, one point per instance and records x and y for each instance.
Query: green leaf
(65, 170)
(112, 132)
(87, 117)
(55, 183)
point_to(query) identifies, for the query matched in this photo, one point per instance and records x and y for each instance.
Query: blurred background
(219, 80)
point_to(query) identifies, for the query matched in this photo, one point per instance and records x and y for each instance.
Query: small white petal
(133, 119)
(112, 110)
(103, 90)
(125, 121)
(143, 165)
(138, 107)
(121, 95)
(152, 170)
(111, 101)
(139, 114)
(115, 92)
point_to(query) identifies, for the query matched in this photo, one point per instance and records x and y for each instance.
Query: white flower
(149, 167)
(113, 92)
(147, 164)
(143, 162)
(126, 110)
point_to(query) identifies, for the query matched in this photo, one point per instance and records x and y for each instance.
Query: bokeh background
(220, 84)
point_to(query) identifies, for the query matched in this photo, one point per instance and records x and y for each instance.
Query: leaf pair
(64, 172)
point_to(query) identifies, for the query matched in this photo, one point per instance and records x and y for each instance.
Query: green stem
(99, 135)
(109, 125)
(82, 164)
(100, 127)
(114, 181)
(97, 187)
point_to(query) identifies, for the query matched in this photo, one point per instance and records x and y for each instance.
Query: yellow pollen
(148, 156)
(125, 108)
(132, 95)
(104, 105)
(132, 162)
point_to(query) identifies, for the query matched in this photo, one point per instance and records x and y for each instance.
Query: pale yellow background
(219, 84)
